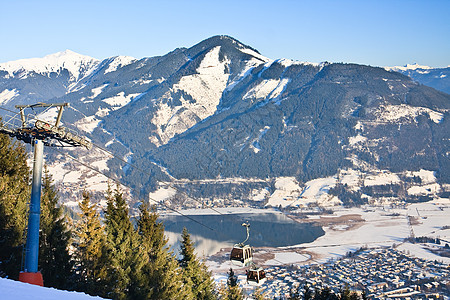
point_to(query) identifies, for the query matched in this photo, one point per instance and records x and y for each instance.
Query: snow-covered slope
(14, 290)
(78, 65)
(222, 110)
(206, 87)
(438, 78)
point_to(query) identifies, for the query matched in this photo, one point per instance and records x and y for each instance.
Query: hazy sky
(377, 33)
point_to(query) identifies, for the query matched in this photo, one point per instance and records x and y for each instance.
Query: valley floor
(349, 229)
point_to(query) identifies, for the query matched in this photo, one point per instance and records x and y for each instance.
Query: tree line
(103, 252)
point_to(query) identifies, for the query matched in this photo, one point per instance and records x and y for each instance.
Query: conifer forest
(105, 252)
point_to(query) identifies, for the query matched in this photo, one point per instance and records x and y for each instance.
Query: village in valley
(384, 251)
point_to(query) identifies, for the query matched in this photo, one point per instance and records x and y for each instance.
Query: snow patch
(96, 91)
(8, 95)
(270, 88)
(424, 189)
(161, 194)
(283, 258)
(247, 70)
(426, 176)
(287, 191)
(403, 112)
(205, 88)
(288, 62)
(120, 100)
(255, 144)
(119, 62)
(383, 178)
(87, 124)
(101, 112)
(356, 139)
(316, 190)
(254, 54)
(350, 177)
(259, 195)
(49, 115)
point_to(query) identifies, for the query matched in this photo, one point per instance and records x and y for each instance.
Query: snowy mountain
(76, 64)
(438, 78)
(222, 121)
(37, 79)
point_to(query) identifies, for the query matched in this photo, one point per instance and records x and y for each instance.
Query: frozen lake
(267, 229)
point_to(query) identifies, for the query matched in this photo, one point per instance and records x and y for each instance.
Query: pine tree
(325, 294)
(259, 295)
(233, 292)
(14, 195)
(90, 239)
(187, 249)
(160, 276)
(122, 246)
(54, 238)
(195, 272)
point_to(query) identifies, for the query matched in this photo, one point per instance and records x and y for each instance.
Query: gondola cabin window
(241, 256)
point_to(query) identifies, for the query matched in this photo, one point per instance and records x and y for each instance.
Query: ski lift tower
(39, 134)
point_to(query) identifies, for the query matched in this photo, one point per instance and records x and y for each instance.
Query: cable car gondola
(241, 254)
(256, 275)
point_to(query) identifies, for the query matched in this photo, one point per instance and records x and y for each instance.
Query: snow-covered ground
(13, 290)
(349, 229)
(384, 227)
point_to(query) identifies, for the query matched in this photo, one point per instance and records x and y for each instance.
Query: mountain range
(221, 121)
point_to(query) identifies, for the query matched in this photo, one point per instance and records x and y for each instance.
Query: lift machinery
(39, 134)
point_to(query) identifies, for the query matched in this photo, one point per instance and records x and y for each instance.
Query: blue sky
(377, 33)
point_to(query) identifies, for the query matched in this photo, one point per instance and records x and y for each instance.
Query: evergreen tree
(325, 294)
(121, 242)
(195, 272)
(54, 238)
(14, 194)
(90, 239)
(259, 295)
(233, 292)
(160, 277)
(187, 249)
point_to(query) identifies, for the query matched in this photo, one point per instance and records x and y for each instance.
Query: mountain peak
(226, 39)
(228, 44)
(75, 63)
(409, 67)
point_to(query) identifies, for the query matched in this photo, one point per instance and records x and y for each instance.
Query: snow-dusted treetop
(75, 63)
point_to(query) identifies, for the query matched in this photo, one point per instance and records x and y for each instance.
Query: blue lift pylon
(42, 133)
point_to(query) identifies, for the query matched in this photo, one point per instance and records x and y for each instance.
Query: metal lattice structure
(39, 133)
(50, 134)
